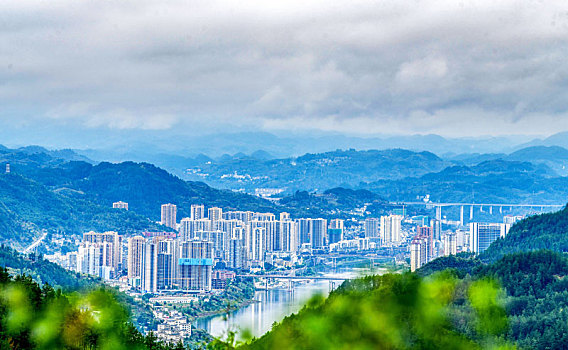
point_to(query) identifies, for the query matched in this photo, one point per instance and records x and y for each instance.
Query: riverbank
(239, 293)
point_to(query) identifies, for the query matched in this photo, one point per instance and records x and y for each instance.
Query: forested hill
(144, 186)
(545, 231)
(493, 181)
(28, 207)
(535, 279)
(44, 271)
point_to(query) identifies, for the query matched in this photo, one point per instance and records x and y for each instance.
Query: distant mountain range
(67, 192)
(316, 172)
(523, 175)
(494, 181)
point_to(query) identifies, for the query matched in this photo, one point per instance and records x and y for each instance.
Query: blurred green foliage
(393, 311)
(535, 295)
(40, 317)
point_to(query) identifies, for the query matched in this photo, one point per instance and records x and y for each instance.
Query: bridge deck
(300, 277)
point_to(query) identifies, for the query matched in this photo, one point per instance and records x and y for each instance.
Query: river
(272, 306)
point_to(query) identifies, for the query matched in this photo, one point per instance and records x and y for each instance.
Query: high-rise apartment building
(436, 228)
(244, 216)
(166, 266)
(318, 229)
(289, 236)
(215, 214)
(390, 232)
(237, 254)
(257, 242)
(149, 268)
(482, 235)
(304, 234)
(197, 212)
(169, 215)
(337, 224)
(264, 217)
(135, 251)
(335, 235)
(418, 253)
(450, 244)
(188, 228)
(113, 257)
(195, 265)
(427, 233)
(372, 228)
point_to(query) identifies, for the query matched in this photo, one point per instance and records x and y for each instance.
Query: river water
(272, 306)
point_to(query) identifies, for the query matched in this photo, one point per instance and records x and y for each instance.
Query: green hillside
(36, 316)
(545, 231)
(27, 207)
(146, 187)
(44, 271)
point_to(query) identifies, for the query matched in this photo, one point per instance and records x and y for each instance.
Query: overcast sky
(455, 68)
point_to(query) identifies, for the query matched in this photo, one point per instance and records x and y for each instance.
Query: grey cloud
(353, 66)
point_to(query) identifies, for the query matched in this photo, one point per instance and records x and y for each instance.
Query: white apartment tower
(418, 253)
(169, 215)
(390, 232)
(149, 268)
(197, 212)
(482, 235)
(135, 251)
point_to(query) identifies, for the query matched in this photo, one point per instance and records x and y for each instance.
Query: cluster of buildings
(430, 243)
(173, 326)
(183, 260)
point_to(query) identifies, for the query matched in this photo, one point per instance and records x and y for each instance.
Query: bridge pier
(471, 213)
(439, 213)
(491, 210)
(501, 210)
(461, 215)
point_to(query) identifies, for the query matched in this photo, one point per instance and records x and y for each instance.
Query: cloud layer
(360, 67)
